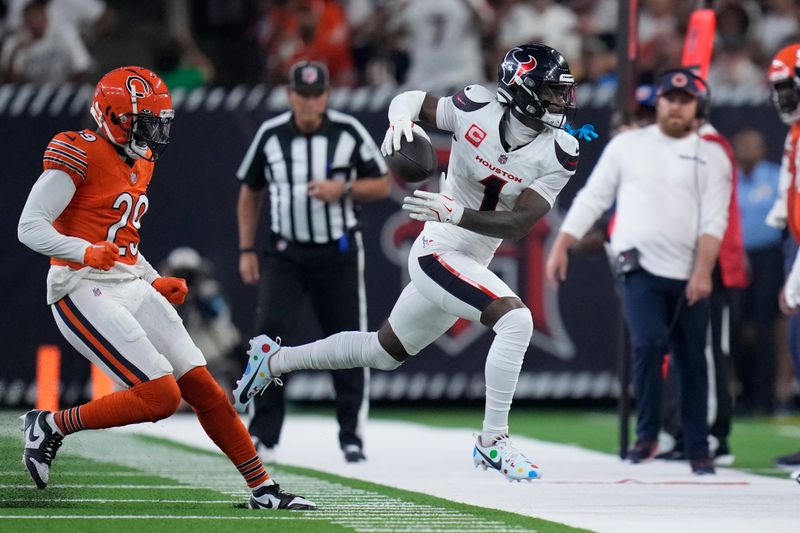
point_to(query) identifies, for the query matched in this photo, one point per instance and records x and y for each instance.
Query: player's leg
(461, 286)
(414, 319)
(209, 402)
(338, 296)
(95, 322)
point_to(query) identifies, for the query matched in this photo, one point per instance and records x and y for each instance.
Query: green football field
(188, 489)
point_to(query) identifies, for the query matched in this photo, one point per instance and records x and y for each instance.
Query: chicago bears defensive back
(784, 77)
(510, 158)
(84, 212)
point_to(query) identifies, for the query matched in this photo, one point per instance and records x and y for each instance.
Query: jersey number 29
(126, 204)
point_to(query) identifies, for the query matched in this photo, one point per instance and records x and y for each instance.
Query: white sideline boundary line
(581, 488)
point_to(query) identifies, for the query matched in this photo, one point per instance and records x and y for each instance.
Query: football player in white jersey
(510, 159)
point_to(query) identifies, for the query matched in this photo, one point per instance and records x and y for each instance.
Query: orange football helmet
(133, 107)
(784, 76)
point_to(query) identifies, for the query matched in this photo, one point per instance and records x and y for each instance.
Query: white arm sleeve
(597, 195)
(406, 105)
(48, 198)
(777, 216)
(715, 192)
(446, 118)
(150, 273)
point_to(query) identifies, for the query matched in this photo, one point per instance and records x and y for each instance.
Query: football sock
(148, 401)
(222, 424)
(348, 349)
(513, 334)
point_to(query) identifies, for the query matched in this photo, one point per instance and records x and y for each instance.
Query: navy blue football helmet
(535, 80)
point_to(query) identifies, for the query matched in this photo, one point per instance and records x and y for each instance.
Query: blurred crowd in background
(432, 45)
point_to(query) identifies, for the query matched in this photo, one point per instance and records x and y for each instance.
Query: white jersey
(444, 44)
(483, 175)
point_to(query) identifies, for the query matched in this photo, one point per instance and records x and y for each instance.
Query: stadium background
(574, 353)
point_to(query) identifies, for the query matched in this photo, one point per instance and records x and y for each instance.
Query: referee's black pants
(330, 276)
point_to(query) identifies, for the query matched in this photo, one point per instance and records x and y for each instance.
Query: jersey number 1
(492, 186)
(125, 202)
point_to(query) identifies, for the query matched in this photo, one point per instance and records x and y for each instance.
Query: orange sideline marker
(101, 384)
(48, 377)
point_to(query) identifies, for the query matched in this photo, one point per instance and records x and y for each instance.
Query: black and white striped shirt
(287, 160)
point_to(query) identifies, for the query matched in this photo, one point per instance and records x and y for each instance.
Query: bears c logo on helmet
(137, 86)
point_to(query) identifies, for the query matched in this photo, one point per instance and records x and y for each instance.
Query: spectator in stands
(758, 190)
(226, 32)
(42, 51)
(659, 41)
(734, 70)
(92, 18)
(778, 26)
(599, 61)
(667, 234)
(443, 39)
(544, 21)
(306, 30)
(181, 64)
(379, 60)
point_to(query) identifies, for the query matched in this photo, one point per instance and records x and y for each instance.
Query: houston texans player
(510, 158)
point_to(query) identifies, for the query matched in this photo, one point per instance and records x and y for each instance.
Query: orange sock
(147, 401)
(222, 424)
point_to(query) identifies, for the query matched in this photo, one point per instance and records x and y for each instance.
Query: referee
(318, 166)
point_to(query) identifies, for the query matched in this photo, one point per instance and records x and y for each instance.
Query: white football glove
(397, 130)
(434, 207)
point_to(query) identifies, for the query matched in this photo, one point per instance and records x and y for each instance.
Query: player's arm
(405, 109)
(514, 224)
(48, 198)
(427, 112)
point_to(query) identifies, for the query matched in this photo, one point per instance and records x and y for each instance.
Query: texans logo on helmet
(517, 63)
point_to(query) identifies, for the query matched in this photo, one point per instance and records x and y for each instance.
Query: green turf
(217, 511)
(755, 441)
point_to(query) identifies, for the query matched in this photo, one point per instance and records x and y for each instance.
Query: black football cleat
(273, 497)
(41, 444)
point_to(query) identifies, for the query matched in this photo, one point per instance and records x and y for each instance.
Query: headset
(703, 99)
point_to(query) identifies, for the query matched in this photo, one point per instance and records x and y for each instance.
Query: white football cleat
(256, 377)
(274, 497)
(502, 456)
